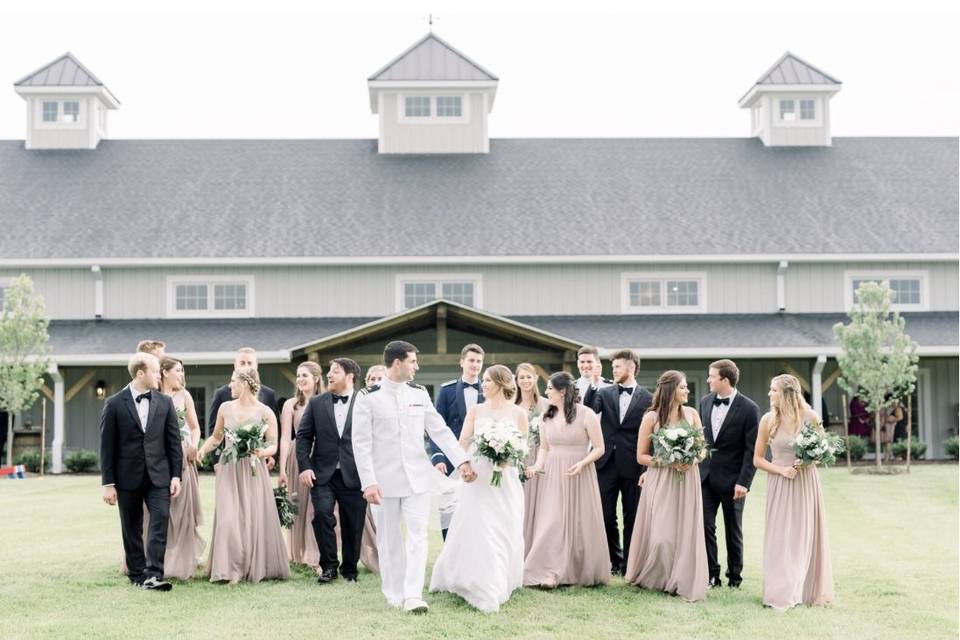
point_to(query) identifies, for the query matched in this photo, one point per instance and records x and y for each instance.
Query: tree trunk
(876, 437)
(9, 438)
(909, 429)
(846, 431)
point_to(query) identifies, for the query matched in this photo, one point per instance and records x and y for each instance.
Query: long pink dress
(301, 538)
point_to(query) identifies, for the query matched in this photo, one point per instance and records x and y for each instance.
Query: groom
(140, 462)
(389, 421)
(730, 421)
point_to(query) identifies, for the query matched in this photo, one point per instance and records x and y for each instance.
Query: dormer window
(67, 112)
(433, 109)
(787, 112)
(449, 106)
(51, 111)
(71, 111)
(417, 106)
(808, 110)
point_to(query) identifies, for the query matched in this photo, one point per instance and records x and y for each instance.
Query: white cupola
(66, 106)
(790, 104)
(432, 99)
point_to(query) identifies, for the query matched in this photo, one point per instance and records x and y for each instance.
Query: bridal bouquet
(814, 445)
(241, 443)
(682, 444)
(501, 443)
(286, 507)
(533, 433)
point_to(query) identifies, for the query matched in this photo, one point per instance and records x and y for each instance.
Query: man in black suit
(325, 453)
(140, 462)
(246, 357)
(621, 407)
(730, 421)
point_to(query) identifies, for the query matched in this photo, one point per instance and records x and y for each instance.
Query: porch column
(816, 383)
(58, 404)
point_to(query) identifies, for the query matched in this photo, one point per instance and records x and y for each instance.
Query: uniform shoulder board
(607, 381)
(416, 386)
(367, 390)
(447, 384)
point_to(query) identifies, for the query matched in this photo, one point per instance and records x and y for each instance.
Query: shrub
(952, 447)
(80, 461)
(857, 447)
(31, 460)
(917, 449)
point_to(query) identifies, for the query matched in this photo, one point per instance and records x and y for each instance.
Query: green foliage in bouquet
(286, 507)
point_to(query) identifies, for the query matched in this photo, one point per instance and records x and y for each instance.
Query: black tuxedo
(140, 464)
(617, 470)
(321, 447)
(266, 395)
(730, 463)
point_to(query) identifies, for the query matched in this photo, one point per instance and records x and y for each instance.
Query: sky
(298, 69)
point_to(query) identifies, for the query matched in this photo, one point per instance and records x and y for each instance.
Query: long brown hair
(166, 365)
(317, 372)
(563, 381)
(664, 395)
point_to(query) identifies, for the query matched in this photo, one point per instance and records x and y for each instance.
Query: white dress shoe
(415, 605)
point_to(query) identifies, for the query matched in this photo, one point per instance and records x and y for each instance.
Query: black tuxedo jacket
(731, 457)
(589, 398)
(620, 438)
(320, 446)
(222, 394)
(127, 453)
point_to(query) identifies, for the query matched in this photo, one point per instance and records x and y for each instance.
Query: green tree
(877, 357)
(24, 354)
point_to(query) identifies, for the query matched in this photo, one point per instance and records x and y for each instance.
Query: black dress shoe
(328, 575)
(734, 584)
(155, 584)
(350, 578)
(714, 583)
(618, 569)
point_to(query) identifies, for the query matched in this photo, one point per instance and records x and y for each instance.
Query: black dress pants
(352, 510)
(140, 565)
(732, 528)
(613, 485)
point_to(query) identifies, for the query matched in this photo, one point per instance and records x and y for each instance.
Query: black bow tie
(342, 399)
(626, 390)
(475, 385)
(719, 401)
(144, 396)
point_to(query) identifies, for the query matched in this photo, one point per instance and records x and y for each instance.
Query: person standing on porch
(730, 421)
(455, 399)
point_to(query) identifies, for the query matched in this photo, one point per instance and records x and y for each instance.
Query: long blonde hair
(316, 371)
(790, 405)
(526, 366)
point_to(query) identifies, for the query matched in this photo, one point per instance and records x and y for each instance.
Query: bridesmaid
(667, 549)
(184, 544)
(247, 543)
(302, 540)
(368, 545)
(563, 543)
(796, 551)
(535, 405)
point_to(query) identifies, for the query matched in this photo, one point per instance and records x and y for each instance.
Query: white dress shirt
(719, 413)
(470, 395)
(625, 399)
(143, 407)
(340, 411)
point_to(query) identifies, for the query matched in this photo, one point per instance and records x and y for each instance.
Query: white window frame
(438, 279)
(209, 281)
(60, 123)
(433, 118)
(798, 122)
(663, 277)
(892, 274)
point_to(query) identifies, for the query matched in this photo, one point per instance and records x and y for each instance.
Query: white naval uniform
(388, 428)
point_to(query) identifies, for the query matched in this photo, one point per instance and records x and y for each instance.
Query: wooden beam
(46, 392)
(453, 359)
(804, 383)
(289, 375)
(832, 378)
(80, 384)
(441, 328)
(544, 375)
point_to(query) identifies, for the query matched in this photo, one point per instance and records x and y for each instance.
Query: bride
(482, 558)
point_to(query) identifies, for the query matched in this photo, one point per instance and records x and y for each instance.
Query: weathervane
(430, 22)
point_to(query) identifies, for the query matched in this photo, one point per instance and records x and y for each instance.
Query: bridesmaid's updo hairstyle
(251, 378)
(664, 394)
(563, 382)
(790, 404)
(503, 378)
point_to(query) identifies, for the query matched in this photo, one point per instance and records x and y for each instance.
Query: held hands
(307, 477)
(372, 494)
(110, 495)
(740, 492)
(191, 452)
(467, 473)
(174, 487)
(441, 467)
(531, 472)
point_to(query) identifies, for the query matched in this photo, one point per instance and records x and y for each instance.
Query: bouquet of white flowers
(502, 443)
(682, 444)
(242, 442)
(814, 445)
(533, 432)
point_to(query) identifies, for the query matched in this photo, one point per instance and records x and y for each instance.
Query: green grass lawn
(894, 541)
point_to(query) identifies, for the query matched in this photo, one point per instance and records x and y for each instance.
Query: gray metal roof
(85, 337)
(551, 197)
(790, 69)
(65, 71)
(431, 58)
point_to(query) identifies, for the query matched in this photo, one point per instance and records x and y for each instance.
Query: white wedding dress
(482, 558)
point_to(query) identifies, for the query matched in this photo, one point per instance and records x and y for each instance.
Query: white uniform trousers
(403, 568)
